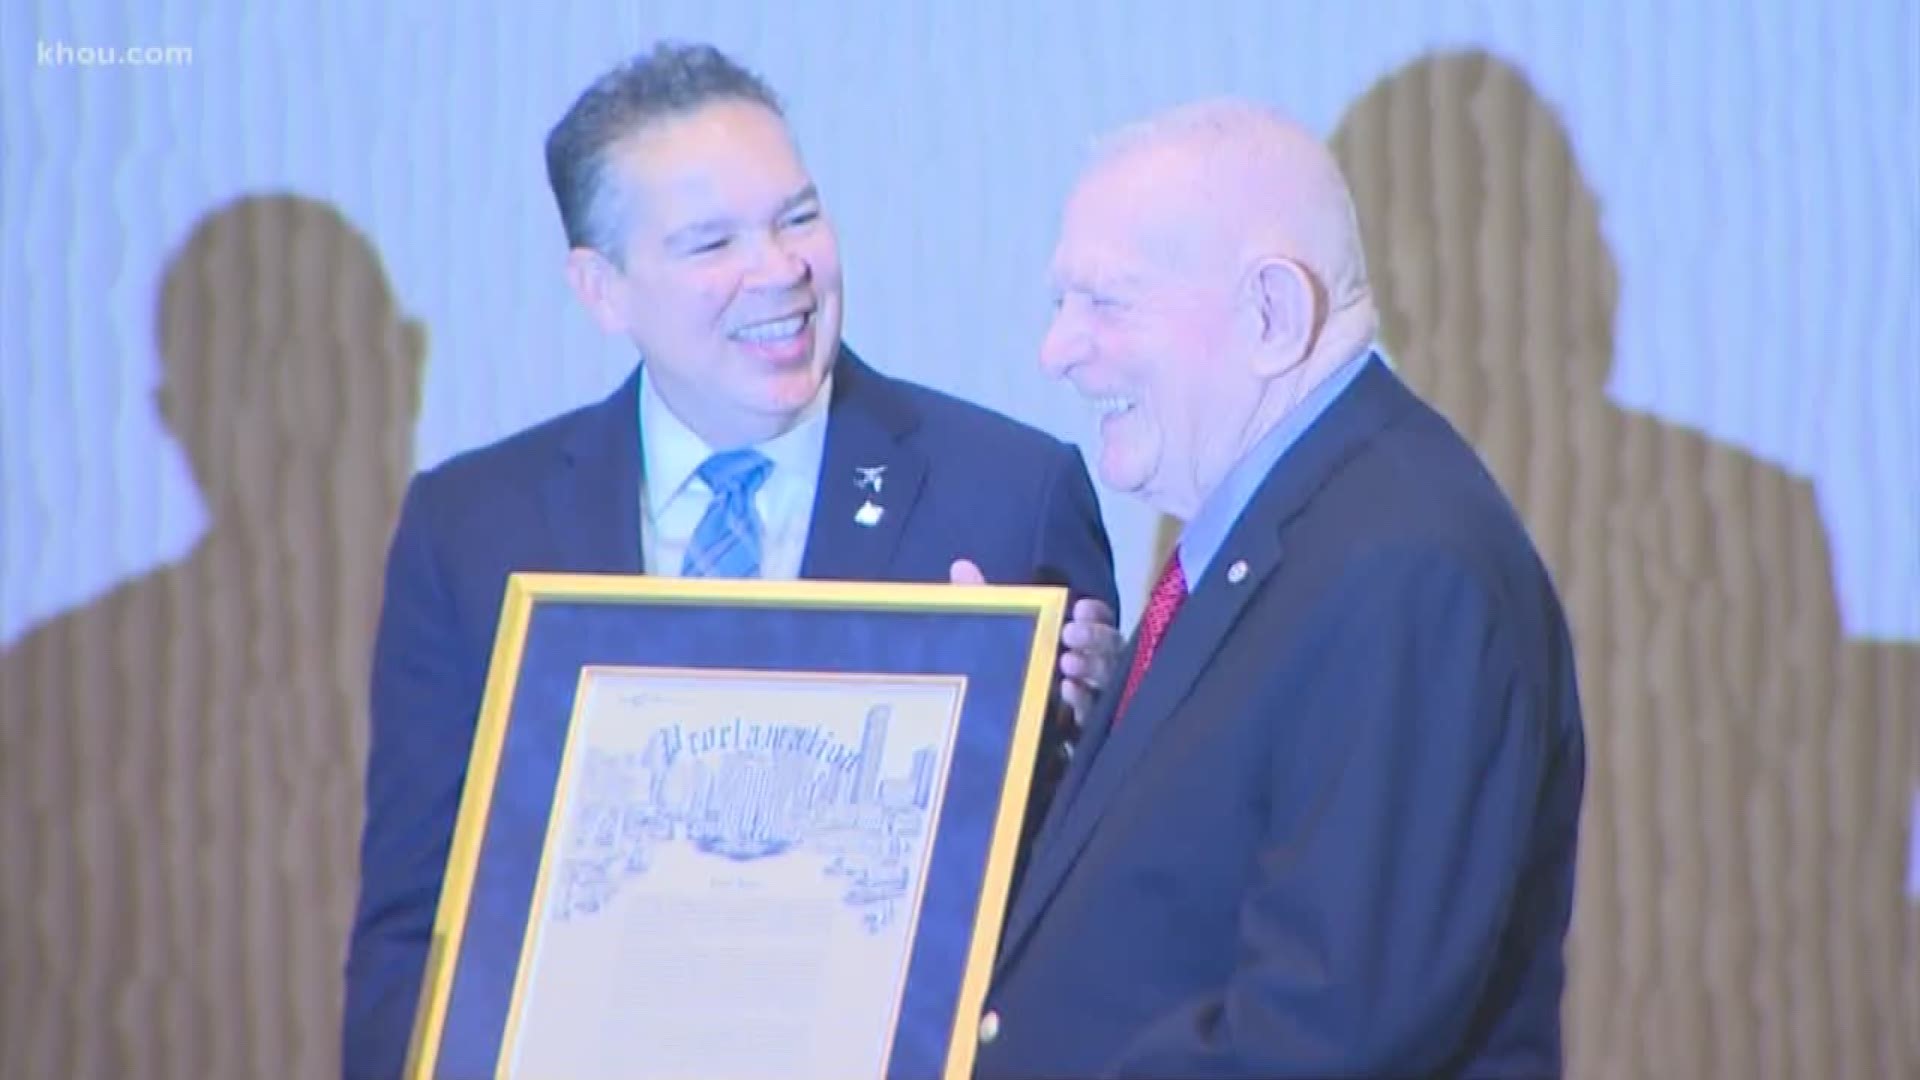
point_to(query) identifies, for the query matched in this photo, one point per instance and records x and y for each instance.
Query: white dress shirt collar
(673, 497)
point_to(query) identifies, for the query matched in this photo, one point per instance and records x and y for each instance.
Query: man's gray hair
(1262, 153)
(672, 80)
(1224, 122)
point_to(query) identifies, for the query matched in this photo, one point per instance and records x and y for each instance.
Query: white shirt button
(989, 1026)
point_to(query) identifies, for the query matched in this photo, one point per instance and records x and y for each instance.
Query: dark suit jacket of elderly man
(1334, 832)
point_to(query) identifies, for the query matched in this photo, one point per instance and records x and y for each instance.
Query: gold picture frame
(708, 825)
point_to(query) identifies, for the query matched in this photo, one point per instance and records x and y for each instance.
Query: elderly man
(748, 442)
(1327, 827)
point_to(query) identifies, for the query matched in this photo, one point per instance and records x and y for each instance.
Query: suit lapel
(1251, 554)
(870, 477)
(593, 499)
(1109, 751)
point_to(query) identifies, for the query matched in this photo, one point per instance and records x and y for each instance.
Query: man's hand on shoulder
(1092, 646)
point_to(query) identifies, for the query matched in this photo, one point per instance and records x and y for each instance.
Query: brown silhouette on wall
(180, 761)
(1740, 910)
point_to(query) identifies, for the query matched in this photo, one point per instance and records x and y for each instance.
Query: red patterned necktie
(1167, 595)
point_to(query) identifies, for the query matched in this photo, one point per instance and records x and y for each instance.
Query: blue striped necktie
(727, 541)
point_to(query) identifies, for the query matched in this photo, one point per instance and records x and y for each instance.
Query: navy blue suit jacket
(961, 482)
(1333, 834)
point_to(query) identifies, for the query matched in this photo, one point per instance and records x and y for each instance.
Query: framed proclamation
(736, 830)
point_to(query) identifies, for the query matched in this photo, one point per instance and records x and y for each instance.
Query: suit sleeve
(424, 703)
(1071, 549)
(1071, 546)
(1401, 825)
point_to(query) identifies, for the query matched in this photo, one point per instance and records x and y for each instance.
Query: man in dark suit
(749, 442)
(1327, 827)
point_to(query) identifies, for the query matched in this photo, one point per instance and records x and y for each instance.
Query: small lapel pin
(1237, 573)
(870, 477)
(868, 514)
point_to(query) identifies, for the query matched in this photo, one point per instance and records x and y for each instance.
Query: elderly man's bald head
(1252, 179)
(1209, 274)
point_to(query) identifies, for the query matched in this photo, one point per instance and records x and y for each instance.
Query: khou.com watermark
(61, 54)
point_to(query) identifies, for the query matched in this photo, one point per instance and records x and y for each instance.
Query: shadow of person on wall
(180, 760)
(1741, 852)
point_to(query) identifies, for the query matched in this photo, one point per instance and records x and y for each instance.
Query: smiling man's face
(1148, 326)
(729, 277)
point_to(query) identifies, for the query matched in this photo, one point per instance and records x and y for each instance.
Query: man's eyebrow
(1065, 279)
(698, 231)
(707, 228)
(810, 193)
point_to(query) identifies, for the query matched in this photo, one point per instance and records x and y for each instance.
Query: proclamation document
(733, 875)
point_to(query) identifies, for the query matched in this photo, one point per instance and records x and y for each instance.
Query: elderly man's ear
(1287, 303)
